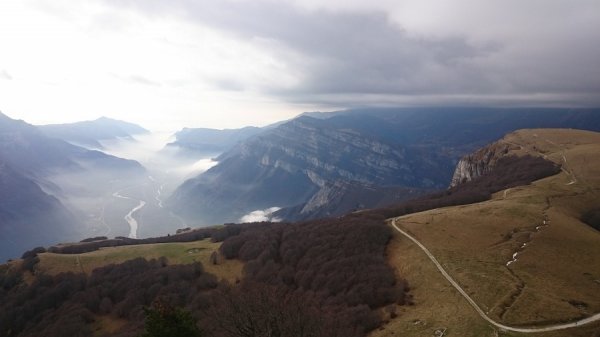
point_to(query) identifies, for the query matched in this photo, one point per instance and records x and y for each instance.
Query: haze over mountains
(300, 168)
(315, 165)
(66, 182)
(39, 175)
(90, 133)
(508, 238)
(211, 141)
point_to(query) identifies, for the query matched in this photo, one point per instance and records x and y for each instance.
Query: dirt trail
(481, 313)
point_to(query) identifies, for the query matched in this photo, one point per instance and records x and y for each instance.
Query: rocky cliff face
(340, 198)
(325, 152)
(306, 162)
(321, 167)
(478, 163)
(211, 141)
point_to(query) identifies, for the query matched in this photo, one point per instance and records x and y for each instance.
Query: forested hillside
(330, 278)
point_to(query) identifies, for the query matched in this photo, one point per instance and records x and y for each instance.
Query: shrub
(592, 218)
(164, 320)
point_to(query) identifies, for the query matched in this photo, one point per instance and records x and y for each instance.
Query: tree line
(340, 264)
(509, 171)
(95, 243)
(319, 278)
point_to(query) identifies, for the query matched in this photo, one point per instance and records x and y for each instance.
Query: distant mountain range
(30, 212)
(308, 166)
(29, 217)
(530, 240)
(315, 165)
(90, 133)
(205, 141)
(211, 141)
(26, 148)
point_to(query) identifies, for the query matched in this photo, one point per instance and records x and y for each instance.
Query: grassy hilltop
(556, 275)
(523, 255)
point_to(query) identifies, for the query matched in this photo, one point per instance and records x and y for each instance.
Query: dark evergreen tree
(163, 320)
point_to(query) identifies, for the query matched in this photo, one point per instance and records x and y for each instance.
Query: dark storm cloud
(364, 55)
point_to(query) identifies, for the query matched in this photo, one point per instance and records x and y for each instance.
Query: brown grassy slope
(556, 277)
(176, 253)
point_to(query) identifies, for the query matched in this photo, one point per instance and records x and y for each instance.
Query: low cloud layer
(261, 215)
(4, 75)
(344, 54)
(232, 63)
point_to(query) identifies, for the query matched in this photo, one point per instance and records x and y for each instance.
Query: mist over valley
(299, 168)
(129, 182)
(117, 182)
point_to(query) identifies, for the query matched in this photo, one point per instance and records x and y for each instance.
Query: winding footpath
(481, 313)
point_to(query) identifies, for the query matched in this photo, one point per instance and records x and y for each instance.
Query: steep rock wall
(478, 163)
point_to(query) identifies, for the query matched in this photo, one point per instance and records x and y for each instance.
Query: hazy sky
(229, 63)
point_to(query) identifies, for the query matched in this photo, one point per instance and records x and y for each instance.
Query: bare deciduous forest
(318, 278)
(324, 277)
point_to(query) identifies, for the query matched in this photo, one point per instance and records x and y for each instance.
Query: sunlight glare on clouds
(159, 72)
(233, 63)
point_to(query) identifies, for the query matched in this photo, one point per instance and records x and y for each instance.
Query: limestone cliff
(311, 163)
(359, 159)
(480, 162)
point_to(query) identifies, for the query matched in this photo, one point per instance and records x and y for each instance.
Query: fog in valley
(115, 202)
(261, 215)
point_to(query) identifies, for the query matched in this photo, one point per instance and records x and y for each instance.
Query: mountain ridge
(32, 163)
(91, 133)
(473, 246)
(26, 211)
(414, 148)
(525, 256)
(211, 141)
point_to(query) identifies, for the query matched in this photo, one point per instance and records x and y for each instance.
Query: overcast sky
(230, 63)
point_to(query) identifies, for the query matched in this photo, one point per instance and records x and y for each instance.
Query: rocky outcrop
(305, 162)
(478, 163)
(321, 167)
(325, 154)
(341, 197)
